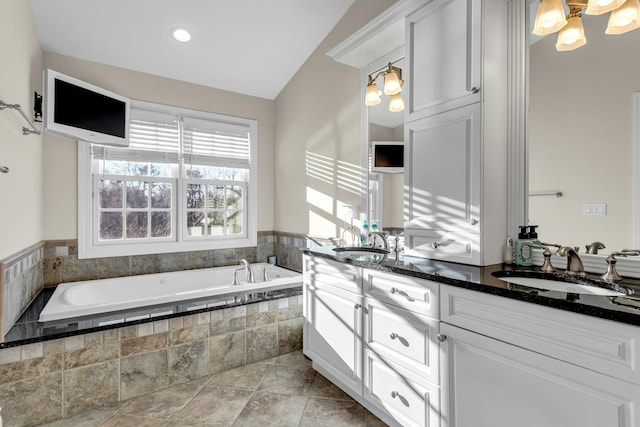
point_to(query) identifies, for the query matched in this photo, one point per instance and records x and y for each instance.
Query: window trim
(88, 249)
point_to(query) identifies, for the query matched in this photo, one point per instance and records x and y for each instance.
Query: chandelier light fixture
(624, 16)
(392, 86)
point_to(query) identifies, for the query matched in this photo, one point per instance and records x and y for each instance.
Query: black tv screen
(82, 108)
(388, 156)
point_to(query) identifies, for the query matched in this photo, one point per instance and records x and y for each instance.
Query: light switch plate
(594, 209)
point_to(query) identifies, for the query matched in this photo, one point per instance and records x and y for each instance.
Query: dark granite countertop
(625, 309)
(28, 330)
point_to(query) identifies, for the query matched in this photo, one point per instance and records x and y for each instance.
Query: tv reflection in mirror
(387, 156)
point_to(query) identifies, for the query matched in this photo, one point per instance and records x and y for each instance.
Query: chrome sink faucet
(574, 263)
(247, 271)
(383, 237)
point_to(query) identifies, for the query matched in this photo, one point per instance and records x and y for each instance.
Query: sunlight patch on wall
(320, 167)
(349, 177)
(320, 200)
(320, 225)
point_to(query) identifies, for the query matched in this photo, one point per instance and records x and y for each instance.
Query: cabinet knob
(357, 306)
(442, 337)
(393, 336)
(474, 90)
(473, 221)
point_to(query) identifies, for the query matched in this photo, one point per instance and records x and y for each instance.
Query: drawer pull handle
(404, 401)
(402, 340)
(474, 90)
(442, 337)
(436, 245)
(403, 293)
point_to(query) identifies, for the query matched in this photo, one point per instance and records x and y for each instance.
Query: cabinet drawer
(407, 292)
(407, 338)
(443, 245)
(323, 271)
(603, 346)
(403, 399)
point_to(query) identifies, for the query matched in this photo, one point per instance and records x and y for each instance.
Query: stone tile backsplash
(54, 379)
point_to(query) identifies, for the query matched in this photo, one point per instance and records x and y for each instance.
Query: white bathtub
(77, 299)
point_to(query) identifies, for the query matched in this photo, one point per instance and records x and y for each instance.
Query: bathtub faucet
(247, 271)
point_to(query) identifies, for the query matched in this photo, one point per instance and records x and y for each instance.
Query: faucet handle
(593, 247)
(611, 275)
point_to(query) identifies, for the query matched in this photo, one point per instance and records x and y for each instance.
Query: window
(187, 181)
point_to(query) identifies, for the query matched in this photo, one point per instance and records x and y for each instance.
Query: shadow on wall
(333, 187)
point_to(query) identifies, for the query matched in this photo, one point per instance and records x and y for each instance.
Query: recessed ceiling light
(181, 34)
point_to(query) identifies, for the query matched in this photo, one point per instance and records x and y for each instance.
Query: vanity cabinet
(332, 326)
(380, 345)
(507, 363)
(443, 178)
(443, 41)
(455, 131)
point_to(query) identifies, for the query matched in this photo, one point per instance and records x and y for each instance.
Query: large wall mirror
(581, 137)
(385, 190)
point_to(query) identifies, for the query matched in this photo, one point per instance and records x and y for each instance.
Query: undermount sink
(555, 283)
(362, 253)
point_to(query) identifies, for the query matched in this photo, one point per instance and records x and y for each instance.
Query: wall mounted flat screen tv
(85, 112)
(387, 156)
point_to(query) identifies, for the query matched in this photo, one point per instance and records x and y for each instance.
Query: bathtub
(77, 299)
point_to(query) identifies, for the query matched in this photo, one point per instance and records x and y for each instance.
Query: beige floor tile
(334, 413)
(272, 409)
(84, 419)
(213, 406)
(248, 377)
(163, 404)
(288, 379)
(132, 421)
(295, 358)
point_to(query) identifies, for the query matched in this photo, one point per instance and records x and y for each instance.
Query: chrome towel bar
(546, 193)
(25, 130)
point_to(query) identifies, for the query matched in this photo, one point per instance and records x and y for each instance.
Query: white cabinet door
(443, 42)
(488, 383)
(443, 178)
(332, 334)
(398, 396)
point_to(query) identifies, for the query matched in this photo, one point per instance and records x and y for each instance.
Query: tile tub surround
(21, 279)
(282, 391)
(67, 376)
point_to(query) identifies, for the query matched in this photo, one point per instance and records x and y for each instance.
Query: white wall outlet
(594, 209)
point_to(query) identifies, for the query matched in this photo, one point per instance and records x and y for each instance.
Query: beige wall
(318, 135)
(20, 76)
(581, 136)
(60, 170)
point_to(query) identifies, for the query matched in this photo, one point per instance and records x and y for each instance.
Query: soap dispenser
(364, 234)
(522, 250)
(533, 235)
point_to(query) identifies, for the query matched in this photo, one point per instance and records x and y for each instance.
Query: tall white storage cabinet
(455, 131)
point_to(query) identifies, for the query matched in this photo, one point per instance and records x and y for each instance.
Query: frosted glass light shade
(598, 7)
(625, 18)
(549, 18)
(392, 84)
(372, 97)
(572, 35)
(396, 103)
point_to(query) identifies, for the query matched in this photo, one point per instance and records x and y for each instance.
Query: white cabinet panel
(332, 333)
(443, 47)
(405, 337)
(609, 347)
(338, 274)
(401, 398)
(444, 157)
(493, 384)
(407, 292)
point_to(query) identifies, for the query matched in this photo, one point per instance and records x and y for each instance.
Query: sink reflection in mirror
(559, 283)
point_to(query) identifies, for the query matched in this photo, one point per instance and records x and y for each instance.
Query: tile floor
(283, 391)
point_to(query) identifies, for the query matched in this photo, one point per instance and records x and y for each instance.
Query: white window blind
(153, 137)
(216, 143)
